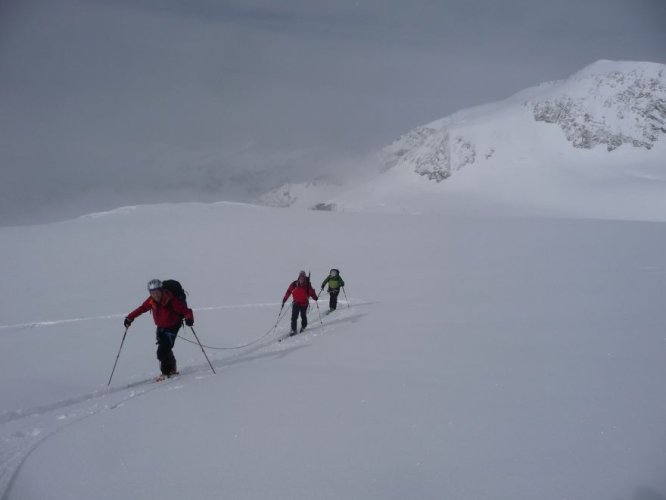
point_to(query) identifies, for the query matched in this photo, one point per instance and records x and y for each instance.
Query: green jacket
(334, 282)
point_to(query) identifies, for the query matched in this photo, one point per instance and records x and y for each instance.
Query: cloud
(226, 98)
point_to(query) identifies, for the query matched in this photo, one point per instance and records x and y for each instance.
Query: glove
(127, 322)
(283, 302)
(189, 321)
(316, 298)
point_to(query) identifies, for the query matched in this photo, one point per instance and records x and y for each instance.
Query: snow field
(481, 357)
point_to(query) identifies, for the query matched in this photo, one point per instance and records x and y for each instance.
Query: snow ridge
(607, 104)
(588, 146)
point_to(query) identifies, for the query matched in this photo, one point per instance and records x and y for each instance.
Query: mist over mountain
(113, 102)
(591, 145)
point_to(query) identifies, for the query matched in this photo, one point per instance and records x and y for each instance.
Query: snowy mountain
(606, 104)
(581, 146)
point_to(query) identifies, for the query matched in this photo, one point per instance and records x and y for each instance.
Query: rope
(280, 316)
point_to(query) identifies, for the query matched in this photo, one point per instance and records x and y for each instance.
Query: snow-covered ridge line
(589, 146)
(605, 104)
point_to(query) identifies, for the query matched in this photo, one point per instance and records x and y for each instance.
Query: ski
(291, 334)
(162, 377)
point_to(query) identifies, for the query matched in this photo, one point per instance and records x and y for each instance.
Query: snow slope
(479, 357)
(593, 145)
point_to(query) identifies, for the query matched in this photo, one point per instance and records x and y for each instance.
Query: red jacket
(167, 313)
(301, 293)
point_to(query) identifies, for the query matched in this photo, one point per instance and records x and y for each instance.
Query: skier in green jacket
(334, 282)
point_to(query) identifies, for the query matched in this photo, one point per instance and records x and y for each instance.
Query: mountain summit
(607, 104)
(592, 145)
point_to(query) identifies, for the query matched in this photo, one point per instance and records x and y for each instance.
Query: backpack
(176, 290)
(334, 282)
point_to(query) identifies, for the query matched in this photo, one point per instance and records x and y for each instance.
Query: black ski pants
(166, 338)
(333, 298)
(295, 311)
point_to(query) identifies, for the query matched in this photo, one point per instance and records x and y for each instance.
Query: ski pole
(319, 312)
(117, 356)
(202, 349)
(319, 294)
(343, 291)
(279, 317)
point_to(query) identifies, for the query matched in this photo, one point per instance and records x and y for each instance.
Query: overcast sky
(106, 102)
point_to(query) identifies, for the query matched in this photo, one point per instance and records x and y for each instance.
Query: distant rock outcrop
(618, 108)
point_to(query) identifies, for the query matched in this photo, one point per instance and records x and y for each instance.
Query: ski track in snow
(26, 434)
(38, 324)
(25, 429)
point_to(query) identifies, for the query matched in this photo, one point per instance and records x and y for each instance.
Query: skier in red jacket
(168, 313)
(302, 291)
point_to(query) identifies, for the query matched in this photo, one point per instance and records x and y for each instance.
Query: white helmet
(154, 285)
